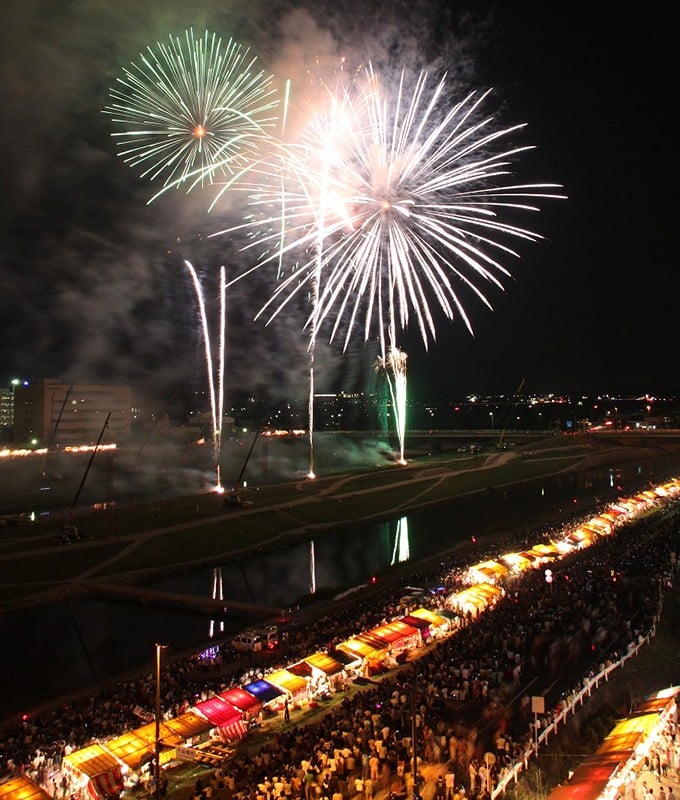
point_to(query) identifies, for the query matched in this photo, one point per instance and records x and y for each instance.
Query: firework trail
(394, 368)
(193, 111)
(216, 391)
(305, 167)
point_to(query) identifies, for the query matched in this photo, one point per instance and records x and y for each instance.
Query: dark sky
(92, 284)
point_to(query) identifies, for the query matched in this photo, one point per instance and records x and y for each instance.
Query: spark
(192, 111)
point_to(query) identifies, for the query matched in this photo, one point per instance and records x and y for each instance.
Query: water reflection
(401, 551)
(68, 646)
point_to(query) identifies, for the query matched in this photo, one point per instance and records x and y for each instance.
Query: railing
(574, 701)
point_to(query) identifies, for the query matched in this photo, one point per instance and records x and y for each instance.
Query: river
(71, 646)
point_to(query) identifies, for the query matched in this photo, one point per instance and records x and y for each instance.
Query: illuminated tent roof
(91, 760)
(375, 641)
(283, 679)
(627, 733)
(546, 549)
(489, 570)
(396, 632)
(218, 712)
(584, 790)
(302, 669)
(264, 691)
(415, 622)
(478, 596)
(99, 767)
(326, 663)
(21, 788)
(360, 648)
(346, 657)
(429, 616)
(184, 727)
(517, 561)
(130, 748)
(240, 699)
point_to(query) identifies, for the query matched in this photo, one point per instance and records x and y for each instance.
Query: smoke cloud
(94, 288)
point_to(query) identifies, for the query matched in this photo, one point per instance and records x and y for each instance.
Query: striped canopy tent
(398, 635)
(223, 717)
(21, 788)
(241, 700)
(420, 624)
(96, 769)
(264, 691)
(295, 686)
(324, 663)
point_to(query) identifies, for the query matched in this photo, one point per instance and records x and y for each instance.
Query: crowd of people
(461, 699)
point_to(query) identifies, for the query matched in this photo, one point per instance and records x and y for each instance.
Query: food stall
(94, 772)
(487, 572)
(226, 720)
(399, 636)
(325, 671)
(370, 655)
(475, 599)
(21, 788)
(242, 701)
(295, 687)
(131, 749)
(268, 695)
(439, 625)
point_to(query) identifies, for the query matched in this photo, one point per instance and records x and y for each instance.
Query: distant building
(56, 415)
(6, 415)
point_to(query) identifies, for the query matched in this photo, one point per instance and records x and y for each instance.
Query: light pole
(414, 740)
(491, 415)
(157, 750)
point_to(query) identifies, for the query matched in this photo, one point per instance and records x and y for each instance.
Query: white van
(247, 640)
(269, 635)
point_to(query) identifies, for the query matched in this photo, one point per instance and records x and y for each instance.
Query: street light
(491, 415)
(157, 751)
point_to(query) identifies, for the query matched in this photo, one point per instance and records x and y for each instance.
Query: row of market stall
(623, 754)
(205, 732)
(486, 578)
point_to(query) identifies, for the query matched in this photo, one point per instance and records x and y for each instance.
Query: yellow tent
(21, 788)
(293, 684)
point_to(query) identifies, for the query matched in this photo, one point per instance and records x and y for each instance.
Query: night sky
(92, 283)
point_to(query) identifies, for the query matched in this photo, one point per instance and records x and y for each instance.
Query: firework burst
(396, 203)
(192, 111)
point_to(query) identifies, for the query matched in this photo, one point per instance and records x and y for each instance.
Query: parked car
(247, 641)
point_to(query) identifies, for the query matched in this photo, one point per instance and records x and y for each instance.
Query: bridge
(203, 605)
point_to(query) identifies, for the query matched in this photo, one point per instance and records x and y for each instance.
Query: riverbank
(135, 545)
